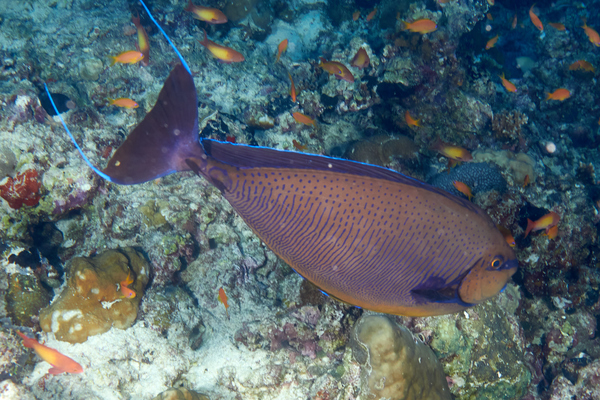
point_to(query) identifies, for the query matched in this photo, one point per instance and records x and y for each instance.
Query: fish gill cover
(513, 105)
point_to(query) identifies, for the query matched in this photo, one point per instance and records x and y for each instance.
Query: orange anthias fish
(127, 57)
(420, 26)
(453, 152)
(60, 363)
(143, 42)
(361, 59)
(491, 43)
(410, 121)
(547, 221)
(582, 64)
(526, 181)
(514, 22)
(303, 119)
(508, 85)
(559, 94)
(338, 69)
(292, 89)
(489, 16)
(592, 34)
(463, 188)
(123, 102)
(281, 49)
(225, 54)
(206, 14)
(552, 232)
(535, 20)
(507, 235)
(355, 15)
(127, 293)
(558, 26)
(223, 299)
(371, 15)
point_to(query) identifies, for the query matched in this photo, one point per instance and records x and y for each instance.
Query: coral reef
(25, 298)
(395, 364)
(180, 394)
(21, 190)
(92, 302)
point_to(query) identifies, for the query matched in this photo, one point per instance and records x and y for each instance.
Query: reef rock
(180, 394)
(92, 302)
(396, 365)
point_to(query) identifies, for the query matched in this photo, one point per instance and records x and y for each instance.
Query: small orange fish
(453, 152)
(558, 26)
(463, 188)
(361, 59)
(410, 121)
(491, 2)
(60, 363)
(127, 57)
(547, 221)
(421, 26)
(292, 89)
(338, 69)
(507, 235)
(303, 119)
(371, 15)
(281, 49)
(552, 232)
(298, 146)
(491, 43)
(489, 16)
(526, 181)
(559, 94)
(206, 14)
(127, 293)
(535, 20)
(592, 34)
(443, 1)
(223, 53)
(508, 85)
(123, 102)
(514, 22)
(582, 64)
(143, 41)
(355, 15)
(223, 299)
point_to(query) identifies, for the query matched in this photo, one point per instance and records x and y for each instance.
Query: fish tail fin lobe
(204, 42)
(529, 227)
(190, 6)
(114, 60)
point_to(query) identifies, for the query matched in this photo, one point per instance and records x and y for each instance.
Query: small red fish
(514, 22)
(123, 102)
(535, 20)
(127, 57)
(223, 299)
(223, 53)
(303, 119)
(559, 94)
(338, 69)
(463, 188)
(298, 146)
(361, 59)
(491, 43)
(453, 152)
(507, 235)
(421, 26)
(371, 15)
(206, 14)
(292, 89)
(143, 41)
(526, 181)
(582, 64)
(547, 221)
(127, 293)
(60, 363)
(558, 26)
(281, 48)
(591, 34)
(355, 15)
(508, 85)
(410, 121)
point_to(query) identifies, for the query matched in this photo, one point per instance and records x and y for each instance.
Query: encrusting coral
(396, 365)
(93, 301)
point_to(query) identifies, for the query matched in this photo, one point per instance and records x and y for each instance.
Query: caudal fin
(529, 227)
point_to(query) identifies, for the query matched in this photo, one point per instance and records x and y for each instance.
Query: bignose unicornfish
(367, 235)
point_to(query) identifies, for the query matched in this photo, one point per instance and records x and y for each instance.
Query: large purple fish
(367, 235)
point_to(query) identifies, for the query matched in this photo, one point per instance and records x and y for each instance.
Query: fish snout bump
(487, 279)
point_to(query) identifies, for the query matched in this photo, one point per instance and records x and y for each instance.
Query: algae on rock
(396, 365)
(24, 298)
(92, 302)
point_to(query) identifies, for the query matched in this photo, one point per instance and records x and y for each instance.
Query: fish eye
(496, 262)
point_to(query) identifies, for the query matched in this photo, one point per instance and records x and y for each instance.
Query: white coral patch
(70, 314)
(55, 326)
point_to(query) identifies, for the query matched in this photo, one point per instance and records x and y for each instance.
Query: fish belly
(364, 240)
